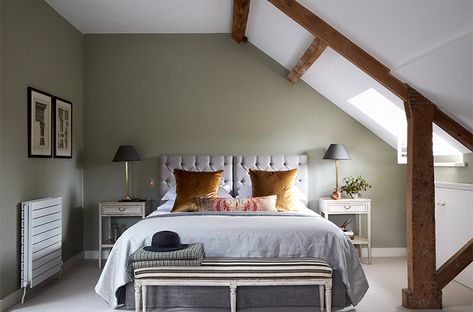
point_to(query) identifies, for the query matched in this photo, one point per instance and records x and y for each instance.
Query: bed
(302, 233)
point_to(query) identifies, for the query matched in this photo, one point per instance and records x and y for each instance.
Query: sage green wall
(456, 174)
(205, 94)
(40, 49)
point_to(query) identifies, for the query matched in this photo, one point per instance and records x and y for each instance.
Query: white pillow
(167, 206)
(246, 191)
(223, 191)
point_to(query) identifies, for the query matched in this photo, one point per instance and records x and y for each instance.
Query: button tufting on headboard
(235, 169)
(241, 165)
(167, 164)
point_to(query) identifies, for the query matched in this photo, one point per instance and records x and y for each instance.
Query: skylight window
(381, 110)
(392, 118)
(443, 148)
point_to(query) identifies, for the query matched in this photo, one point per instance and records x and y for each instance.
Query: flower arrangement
(354, 186)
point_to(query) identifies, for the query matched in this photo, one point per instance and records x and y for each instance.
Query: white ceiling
(427, 43)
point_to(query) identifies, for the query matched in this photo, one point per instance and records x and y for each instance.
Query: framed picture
(62, 128)
(39, 123)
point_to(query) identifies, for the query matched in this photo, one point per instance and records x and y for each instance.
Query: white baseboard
(70, 263)
(94, 254)
(10, 300)
(15, 297)
(386, 252)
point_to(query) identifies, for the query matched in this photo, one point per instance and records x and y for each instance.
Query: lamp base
(337, 194)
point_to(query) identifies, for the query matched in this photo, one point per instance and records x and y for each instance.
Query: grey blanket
(194, 251)
(190, 256)
(241, 235)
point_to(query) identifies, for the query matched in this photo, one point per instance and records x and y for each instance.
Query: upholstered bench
(234, 272)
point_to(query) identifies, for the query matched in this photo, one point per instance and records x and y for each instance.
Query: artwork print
(39, 123)
(63, 128)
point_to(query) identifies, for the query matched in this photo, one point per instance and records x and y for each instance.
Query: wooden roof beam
(241, 9)
(342, 45)
(316, 48)
(457, 131)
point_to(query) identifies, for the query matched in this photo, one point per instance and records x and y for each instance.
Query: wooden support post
(315, 49)
(457, 263)
(422, 291)
(241, 9)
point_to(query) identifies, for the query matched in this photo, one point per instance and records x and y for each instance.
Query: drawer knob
(347, 206)
(122, 209)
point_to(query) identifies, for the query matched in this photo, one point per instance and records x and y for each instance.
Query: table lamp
(126, 153)
(337, 152)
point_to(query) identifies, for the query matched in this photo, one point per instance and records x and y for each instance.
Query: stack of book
(349, 234)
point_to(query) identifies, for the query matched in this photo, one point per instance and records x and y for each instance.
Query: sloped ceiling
(426, 43)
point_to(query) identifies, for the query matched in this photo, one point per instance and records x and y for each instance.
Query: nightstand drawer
(347, 207)
(122, 210)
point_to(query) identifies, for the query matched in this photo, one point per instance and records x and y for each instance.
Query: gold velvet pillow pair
(280, 183)
(191, 184)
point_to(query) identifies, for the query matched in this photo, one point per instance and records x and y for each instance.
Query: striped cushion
(243, 268)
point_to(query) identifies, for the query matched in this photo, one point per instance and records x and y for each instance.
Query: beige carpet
(386, 276)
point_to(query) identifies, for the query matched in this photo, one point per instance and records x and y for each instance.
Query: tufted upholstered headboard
(241, 165)
(235, 168)
(167, 164)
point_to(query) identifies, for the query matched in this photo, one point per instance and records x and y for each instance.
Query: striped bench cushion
(242, 268)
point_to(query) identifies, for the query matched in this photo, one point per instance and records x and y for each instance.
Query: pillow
(166, 207)
(223, 191)
(246, 192)
(266, 183)
(191, 184)
(216, 204)
(265, 203)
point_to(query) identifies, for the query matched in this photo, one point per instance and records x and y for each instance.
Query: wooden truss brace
(316, 48)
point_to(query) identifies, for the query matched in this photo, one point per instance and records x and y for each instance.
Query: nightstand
(346, 206)
(113, 209)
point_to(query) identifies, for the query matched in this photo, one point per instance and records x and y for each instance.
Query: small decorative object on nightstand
(354, 186)
(359, 206)
(113, 209)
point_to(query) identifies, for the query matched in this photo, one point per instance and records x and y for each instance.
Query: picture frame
(40, 136)
(62, 128)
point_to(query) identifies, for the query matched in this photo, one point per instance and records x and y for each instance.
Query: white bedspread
(241, 235)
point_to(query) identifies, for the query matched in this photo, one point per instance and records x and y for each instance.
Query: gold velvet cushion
(278, 183)
(191, 184)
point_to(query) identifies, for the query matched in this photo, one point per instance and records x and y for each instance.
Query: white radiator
(41, 241)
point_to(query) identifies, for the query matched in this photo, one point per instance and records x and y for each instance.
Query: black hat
(165, 241)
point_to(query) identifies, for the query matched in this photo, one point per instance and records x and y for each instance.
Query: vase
(337, 194)
(354, 195)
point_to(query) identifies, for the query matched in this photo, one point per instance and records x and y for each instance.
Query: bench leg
(137, 297)
(143, 296)
(328, 296)
(233, 296)
(321, 297)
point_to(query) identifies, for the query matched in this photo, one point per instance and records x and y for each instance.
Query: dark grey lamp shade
(337, 152)
(126, 153)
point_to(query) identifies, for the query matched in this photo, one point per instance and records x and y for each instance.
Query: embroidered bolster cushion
(265, 203)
